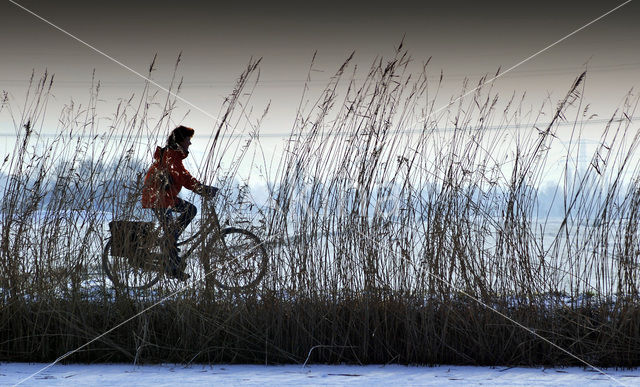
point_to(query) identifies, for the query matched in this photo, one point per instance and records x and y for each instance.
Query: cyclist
(162, 183)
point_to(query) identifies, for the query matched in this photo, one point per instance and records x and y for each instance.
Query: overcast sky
(464, 38)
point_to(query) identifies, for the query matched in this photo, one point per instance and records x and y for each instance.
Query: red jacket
(165, 179)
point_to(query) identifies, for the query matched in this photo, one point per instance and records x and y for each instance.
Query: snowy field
(315, 375)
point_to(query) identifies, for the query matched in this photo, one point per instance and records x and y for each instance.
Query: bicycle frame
(203, 233)
(239, 254)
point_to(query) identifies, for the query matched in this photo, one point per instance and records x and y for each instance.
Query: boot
(177, 273)
(175, 269)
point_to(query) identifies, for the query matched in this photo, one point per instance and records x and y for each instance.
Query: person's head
(180, 136)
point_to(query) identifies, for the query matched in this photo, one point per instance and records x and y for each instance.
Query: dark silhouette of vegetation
(389, 236)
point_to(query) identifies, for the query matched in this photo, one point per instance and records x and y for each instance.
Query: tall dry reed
(391, 227)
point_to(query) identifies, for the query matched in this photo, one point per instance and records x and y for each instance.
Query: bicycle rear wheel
(132, 274)
(241, 260)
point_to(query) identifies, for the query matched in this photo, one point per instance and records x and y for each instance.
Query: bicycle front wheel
(128, 273)
(241, 260)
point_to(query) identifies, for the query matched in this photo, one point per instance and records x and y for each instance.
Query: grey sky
(464, 38)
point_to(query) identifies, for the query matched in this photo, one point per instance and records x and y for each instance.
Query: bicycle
(136, 256)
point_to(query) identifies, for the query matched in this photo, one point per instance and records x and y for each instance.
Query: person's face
(185, 144)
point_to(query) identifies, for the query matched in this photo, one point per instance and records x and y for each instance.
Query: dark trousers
(174, 227)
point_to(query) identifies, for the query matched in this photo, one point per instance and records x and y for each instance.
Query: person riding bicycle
(162, 183)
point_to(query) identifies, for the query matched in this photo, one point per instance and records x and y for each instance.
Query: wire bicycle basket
(130, 239)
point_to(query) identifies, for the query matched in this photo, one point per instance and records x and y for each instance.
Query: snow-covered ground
(289, 375)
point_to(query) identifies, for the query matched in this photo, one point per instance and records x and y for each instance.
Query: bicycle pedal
(177, 274)
(181, 276)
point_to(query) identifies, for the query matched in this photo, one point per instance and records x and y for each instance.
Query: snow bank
(294, 375)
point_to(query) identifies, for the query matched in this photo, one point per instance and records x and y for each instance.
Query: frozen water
(296, 375)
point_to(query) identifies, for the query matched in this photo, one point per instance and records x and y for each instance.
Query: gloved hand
(209, 191)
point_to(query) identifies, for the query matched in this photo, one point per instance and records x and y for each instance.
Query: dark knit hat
(178, 135)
